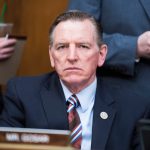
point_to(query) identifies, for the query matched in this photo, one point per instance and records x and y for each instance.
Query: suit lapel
(101, 127)
(146, 6)
(54, 104)
(53, 101)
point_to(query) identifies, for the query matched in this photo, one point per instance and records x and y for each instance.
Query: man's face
(75, 54)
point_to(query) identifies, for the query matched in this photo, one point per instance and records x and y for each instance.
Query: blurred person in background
(126, 27)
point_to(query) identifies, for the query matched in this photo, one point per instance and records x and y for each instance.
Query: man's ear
(51, 57)
(102, 54)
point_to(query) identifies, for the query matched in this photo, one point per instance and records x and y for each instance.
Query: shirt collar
(86, 96)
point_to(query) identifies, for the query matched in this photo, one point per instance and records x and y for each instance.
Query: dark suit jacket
(39, 102)
(122, 21)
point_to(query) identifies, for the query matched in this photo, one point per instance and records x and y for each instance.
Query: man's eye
(84, 46)
(61, 47)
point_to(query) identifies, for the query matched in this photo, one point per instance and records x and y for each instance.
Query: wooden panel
(32, 18)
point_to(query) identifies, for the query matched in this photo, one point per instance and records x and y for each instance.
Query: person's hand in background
(143, 45)
(7, 47)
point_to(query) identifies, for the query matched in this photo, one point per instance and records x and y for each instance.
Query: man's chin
(72, 80)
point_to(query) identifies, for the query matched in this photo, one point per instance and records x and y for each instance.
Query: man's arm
(13, 112)
(121, 52)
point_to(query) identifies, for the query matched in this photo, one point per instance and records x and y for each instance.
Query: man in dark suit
(126, 31)
(108, 112)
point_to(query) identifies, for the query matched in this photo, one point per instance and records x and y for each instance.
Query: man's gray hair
(76, 15)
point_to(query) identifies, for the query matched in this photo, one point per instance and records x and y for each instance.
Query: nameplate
(34, 136)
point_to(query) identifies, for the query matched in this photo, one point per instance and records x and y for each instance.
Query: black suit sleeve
(13, 112)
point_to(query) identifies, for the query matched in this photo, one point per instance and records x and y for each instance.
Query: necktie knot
(74, 101)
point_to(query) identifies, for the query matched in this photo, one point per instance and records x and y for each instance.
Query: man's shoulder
(124, 90)
(32, 80)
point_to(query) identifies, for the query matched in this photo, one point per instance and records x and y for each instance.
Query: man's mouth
(72, 69)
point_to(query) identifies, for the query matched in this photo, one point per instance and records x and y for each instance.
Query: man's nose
(72, 53)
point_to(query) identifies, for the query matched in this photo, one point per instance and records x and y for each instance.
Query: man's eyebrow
(84, 43)
(61, 43)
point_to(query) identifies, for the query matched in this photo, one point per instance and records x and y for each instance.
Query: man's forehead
(75, 24)
(74, 28)
(70, 31)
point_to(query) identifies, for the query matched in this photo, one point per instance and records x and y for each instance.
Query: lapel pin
(103, 115)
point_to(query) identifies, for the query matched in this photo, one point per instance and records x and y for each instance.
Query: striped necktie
(74, 121)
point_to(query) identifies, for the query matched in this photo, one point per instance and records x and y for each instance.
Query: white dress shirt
(87, 99)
